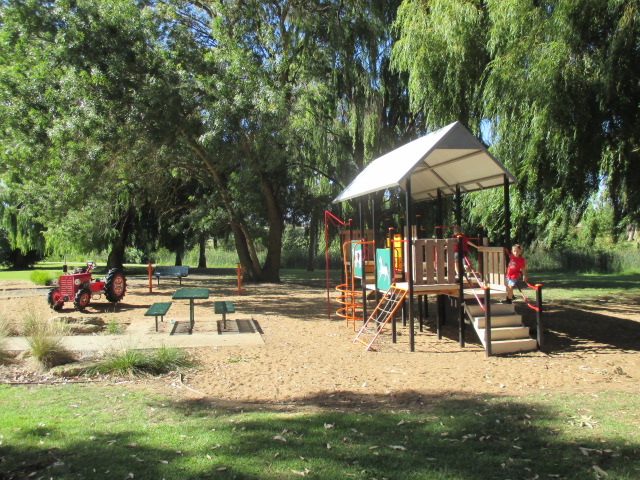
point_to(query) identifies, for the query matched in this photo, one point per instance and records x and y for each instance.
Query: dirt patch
(309, 359)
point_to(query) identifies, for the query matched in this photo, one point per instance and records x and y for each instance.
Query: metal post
(458, 207)
(461, 324)
(373, 238)
(412, 346)
(440, 302)
(363, 280)
(507, 215)
(487, 320)
(541, 343)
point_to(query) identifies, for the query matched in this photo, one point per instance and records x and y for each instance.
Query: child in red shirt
(516, 265)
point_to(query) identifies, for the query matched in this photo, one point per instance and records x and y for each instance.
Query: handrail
(538, 309)
(480, 283)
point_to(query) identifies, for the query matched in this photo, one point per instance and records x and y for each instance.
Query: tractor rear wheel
(55, 299)
(83, 297)
(115, 285)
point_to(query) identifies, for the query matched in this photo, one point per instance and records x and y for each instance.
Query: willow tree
(554, 84)
(76, 82)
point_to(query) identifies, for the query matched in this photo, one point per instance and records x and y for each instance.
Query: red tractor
(80, 287)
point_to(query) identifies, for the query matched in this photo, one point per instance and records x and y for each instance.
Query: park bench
(170, 271)
(158, 310)
(223, 308)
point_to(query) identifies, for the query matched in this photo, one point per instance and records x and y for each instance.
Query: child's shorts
(511, 282)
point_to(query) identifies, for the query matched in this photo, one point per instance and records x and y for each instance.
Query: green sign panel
(383, 266)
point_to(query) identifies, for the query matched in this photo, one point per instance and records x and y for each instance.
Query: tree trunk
(631, 231)
(249, 271)
(313, 242)
(179, 254)
(116, 255)
(202, 259)
(271, 268)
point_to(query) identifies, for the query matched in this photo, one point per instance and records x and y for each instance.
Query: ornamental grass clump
(44, 340)
(125, 362)
(129, 362)
(113, 328)
(166, 359)
(5, 331)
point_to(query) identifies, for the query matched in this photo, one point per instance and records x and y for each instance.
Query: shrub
(42, 277)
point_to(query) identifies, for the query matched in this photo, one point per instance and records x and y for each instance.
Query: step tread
(513, 346)
(496, 309)
(500, 321)
(506, 333)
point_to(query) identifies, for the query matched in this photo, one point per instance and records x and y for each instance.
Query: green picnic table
(191, 294)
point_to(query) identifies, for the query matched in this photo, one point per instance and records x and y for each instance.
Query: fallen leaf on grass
(600, 471)
(397, 447)
(329, 425)
(280, 438)
(374, 447)
(303, 473)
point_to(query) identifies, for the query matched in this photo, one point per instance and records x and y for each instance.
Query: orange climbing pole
(350, 299)
(347, 296)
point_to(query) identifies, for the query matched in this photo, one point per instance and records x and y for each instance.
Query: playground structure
(449, 161)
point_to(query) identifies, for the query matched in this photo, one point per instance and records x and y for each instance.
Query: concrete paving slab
(102, 343)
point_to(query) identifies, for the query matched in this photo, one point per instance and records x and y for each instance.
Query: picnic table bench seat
(171, 271)
(222, 307)
(159, 309)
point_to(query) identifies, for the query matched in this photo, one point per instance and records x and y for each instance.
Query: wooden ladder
(376, 322)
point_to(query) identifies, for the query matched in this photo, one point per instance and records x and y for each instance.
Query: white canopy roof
(441, 160)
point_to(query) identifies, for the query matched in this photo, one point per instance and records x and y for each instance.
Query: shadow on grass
(404, 436)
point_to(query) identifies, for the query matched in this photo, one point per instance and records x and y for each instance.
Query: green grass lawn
(112, 432)
(94, 431)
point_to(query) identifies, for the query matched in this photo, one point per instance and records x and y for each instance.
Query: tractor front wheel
(115, 285)
(55, 299)
(83, 297)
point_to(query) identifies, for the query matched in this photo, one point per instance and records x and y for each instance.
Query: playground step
(505, 333)
(499, 321)
(496, 309)
(513, 346)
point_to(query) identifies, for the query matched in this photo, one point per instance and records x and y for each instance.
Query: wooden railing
(493, 266)
(434, 261)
